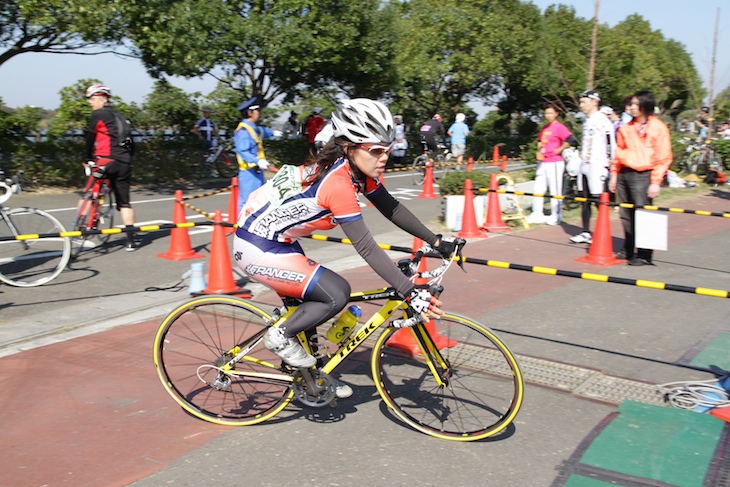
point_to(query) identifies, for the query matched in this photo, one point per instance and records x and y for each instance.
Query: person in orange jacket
(643, 155)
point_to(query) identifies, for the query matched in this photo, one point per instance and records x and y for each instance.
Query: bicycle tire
(195, 337)
(105, 216)
(226, 166)
(484, 386)
(419, 169)
(28, 263)
(81, 223)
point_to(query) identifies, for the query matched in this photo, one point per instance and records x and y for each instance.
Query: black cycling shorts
(120, 176)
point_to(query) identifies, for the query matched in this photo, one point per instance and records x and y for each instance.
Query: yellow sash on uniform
(243, 165)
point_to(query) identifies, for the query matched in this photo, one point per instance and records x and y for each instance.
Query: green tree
(631, 56)
(451, 52)
(58, 26)
(168, 108)
(267, 48)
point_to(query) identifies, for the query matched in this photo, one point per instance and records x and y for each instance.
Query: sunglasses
(377, 150)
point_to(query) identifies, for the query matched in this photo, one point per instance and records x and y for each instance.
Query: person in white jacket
(597, 150)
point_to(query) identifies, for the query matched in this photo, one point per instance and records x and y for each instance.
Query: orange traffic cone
(469, 164)
(220, 277)
(180, 248)
(601, 251)
(469, 227)
(428, 182)
(495, 156)
(232, 206)
(494, 221)
(403, 339)
(504, 163)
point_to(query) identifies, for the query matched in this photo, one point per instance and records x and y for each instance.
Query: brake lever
(460, 262)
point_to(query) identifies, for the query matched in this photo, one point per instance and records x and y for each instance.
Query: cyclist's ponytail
(324, 160)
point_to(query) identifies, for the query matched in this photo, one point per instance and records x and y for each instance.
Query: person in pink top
(554, 137)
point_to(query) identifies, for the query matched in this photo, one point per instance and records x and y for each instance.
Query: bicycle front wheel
(469, 389)
(192, 347)
(27, 263)
(226, 165)
(419, 169)
(81, 223)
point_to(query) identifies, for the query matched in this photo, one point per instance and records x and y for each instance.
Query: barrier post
(495, 156)
(469, 227)
(601, 250)
(504, 163)
(427, 191)
(220, 277)
(180, 248)
(494, 221)
(470, 164)
(233, 206)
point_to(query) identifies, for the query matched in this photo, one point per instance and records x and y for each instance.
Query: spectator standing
(248, 139)
(458, 132)
(206, 129)
(432, 133)
(613, 117)
(643, 155)
(291, 126)
(315, 123)
(554, 137)
(598, 148)
(401, 143)
(109, 146)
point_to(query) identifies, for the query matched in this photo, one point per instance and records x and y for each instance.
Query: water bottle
(342, 327)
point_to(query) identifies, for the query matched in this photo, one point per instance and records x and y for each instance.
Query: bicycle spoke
(193, 348)
(476, 396)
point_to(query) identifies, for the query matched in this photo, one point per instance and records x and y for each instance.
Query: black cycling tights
(330, 295)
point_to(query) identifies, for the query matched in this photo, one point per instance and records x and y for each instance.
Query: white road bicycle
(25, 259)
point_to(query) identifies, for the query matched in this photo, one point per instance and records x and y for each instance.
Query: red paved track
(91, 411)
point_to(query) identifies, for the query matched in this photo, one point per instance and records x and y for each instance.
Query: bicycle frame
(356, 339)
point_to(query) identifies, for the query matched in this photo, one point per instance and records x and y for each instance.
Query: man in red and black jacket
(109, 145)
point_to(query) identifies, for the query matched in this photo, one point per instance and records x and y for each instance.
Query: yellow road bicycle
(451, 377)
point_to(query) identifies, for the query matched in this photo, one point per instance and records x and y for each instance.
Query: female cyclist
(318, 196)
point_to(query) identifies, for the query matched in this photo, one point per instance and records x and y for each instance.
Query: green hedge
(157, 160)
(453, 182)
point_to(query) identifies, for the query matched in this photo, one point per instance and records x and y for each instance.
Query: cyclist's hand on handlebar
(423, 302)
(446, 246)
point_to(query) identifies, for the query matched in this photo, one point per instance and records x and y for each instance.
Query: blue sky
(35, 79)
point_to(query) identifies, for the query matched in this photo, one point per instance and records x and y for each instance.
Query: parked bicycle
(439, 163)
(461, 382)
(701, 157)
(28, 261)
(95, 212)
(221, 159)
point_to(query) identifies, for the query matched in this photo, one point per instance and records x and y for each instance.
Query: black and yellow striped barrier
(210, 193)
(582, 199)
(111, 231)
(715, 293)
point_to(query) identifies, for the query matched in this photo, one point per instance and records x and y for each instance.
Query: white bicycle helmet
(363, 121)
(98, 90)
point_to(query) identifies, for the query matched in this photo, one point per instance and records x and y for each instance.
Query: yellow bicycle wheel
(193, 350)
(470, 389)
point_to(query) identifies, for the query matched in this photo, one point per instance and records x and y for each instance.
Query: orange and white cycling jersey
(283, 209)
